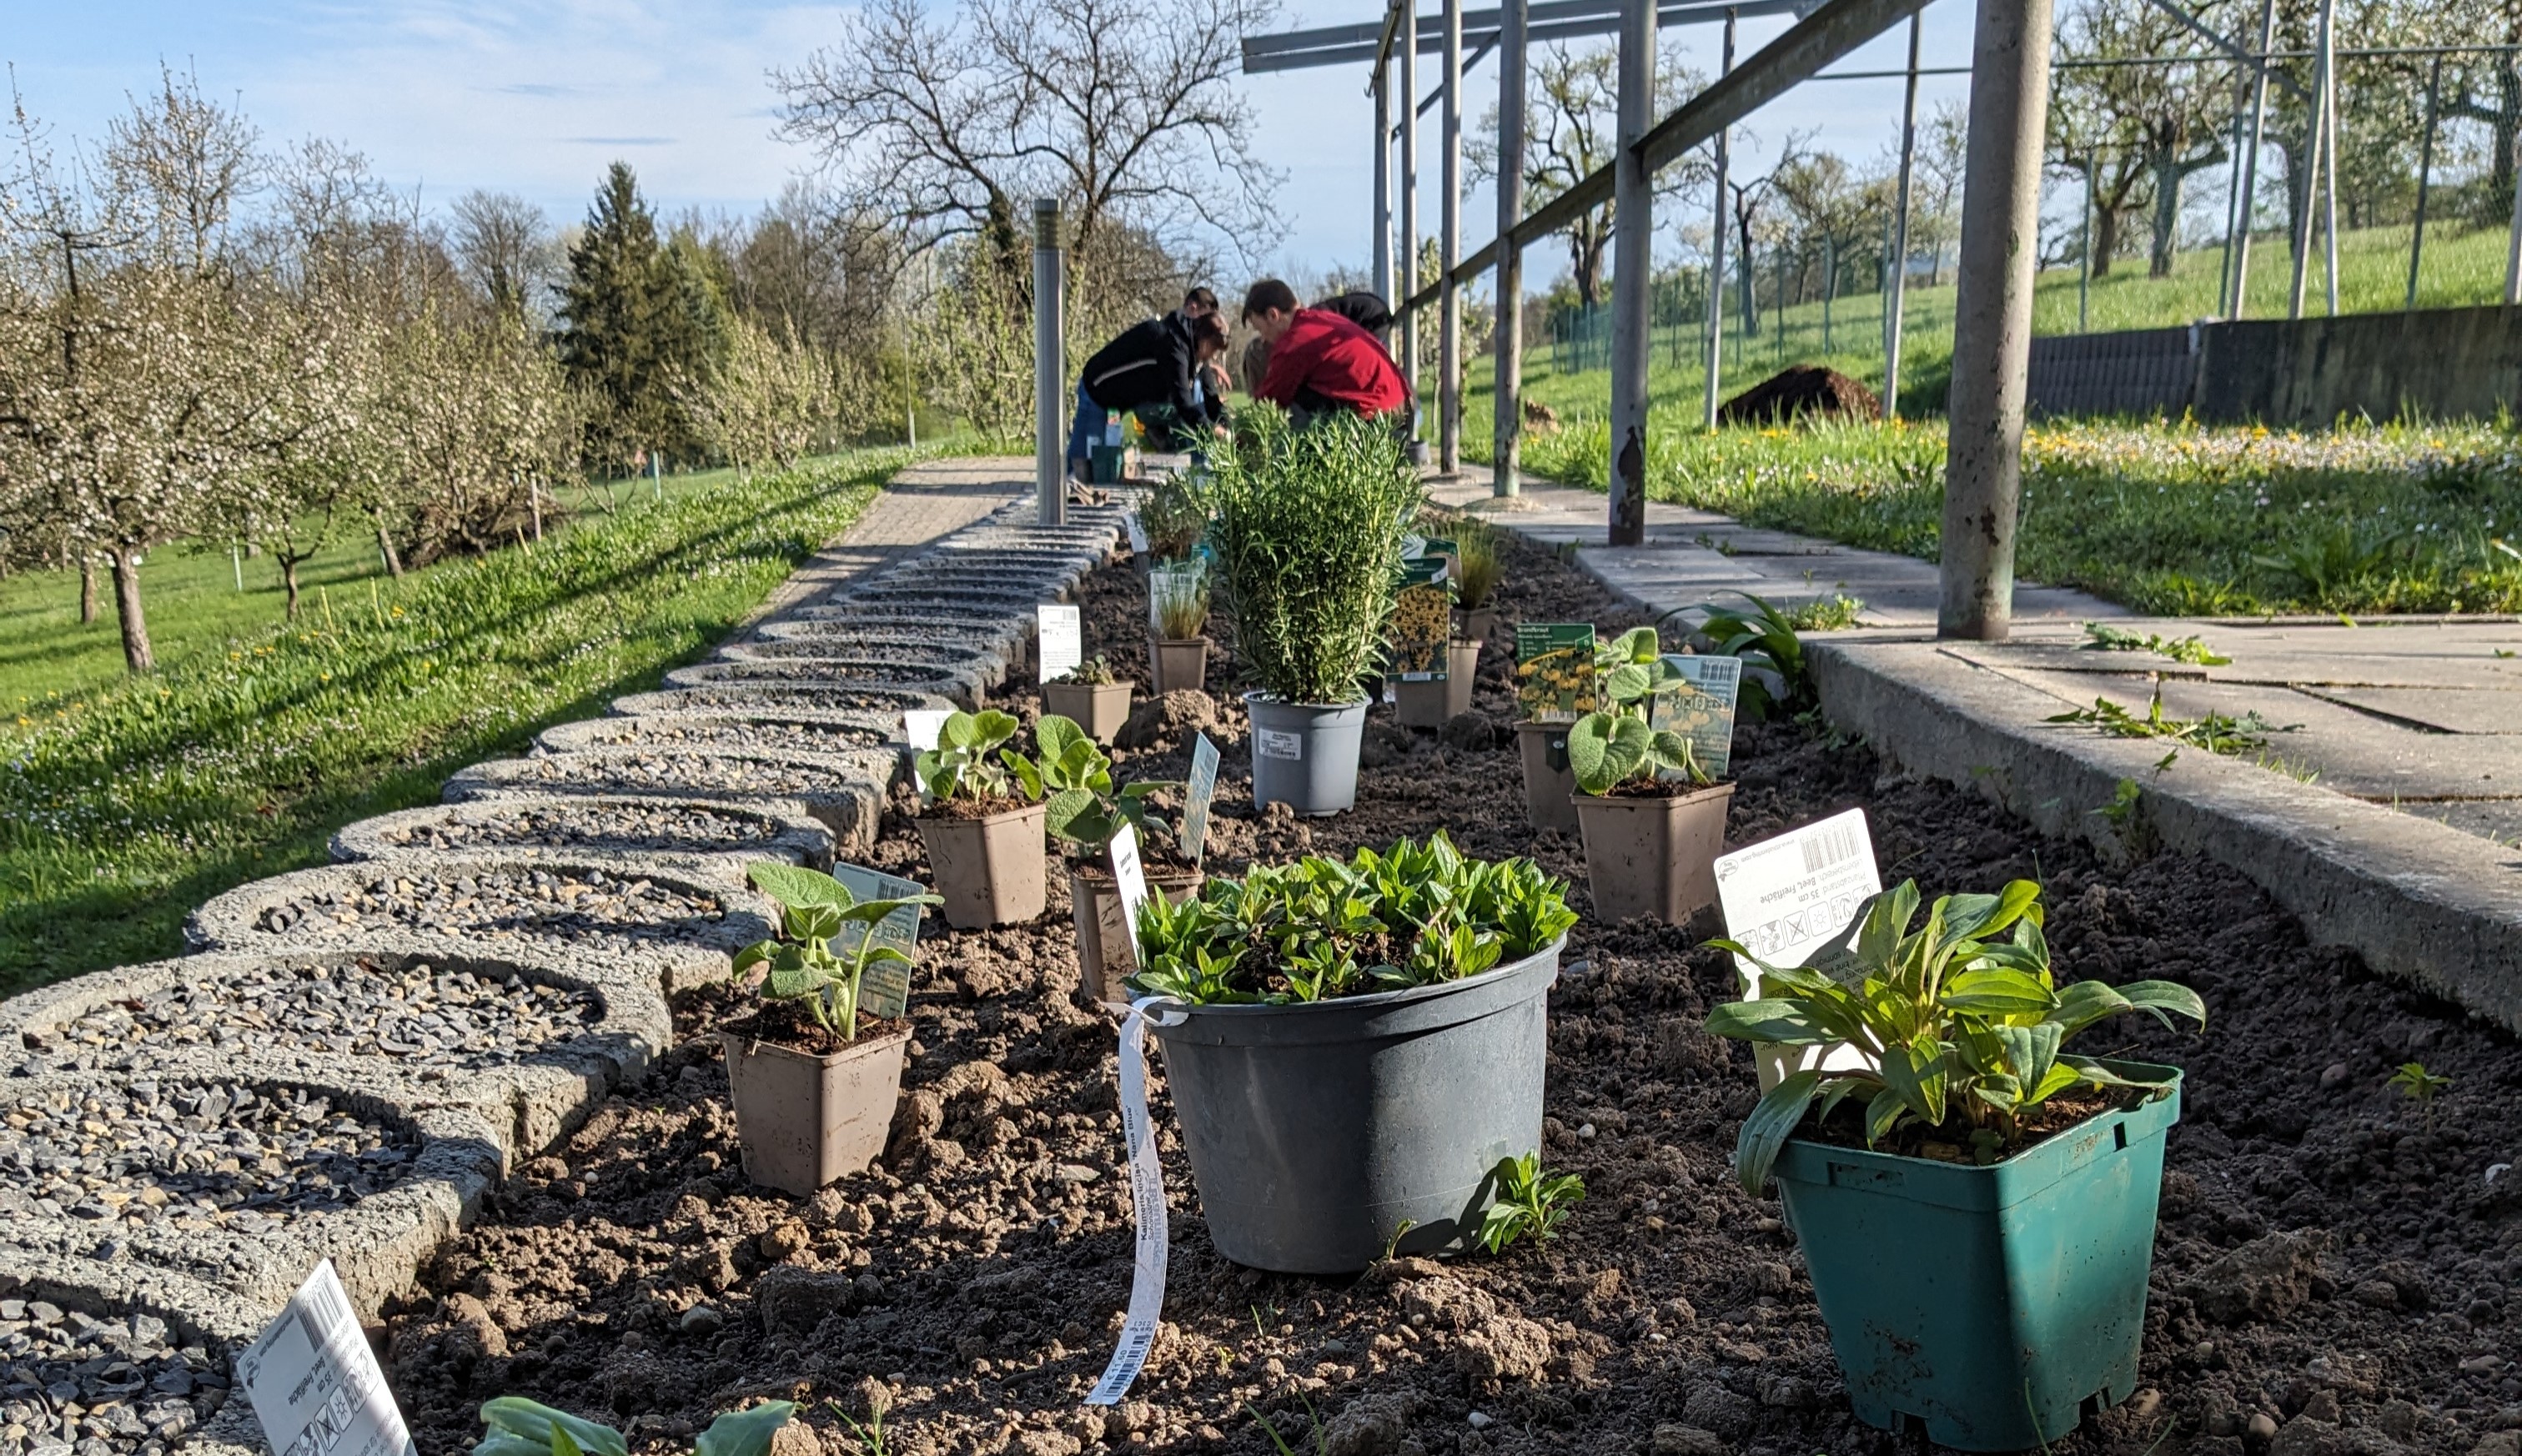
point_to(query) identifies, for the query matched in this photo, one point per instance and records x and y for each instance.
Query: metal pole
(1899, 282)
(1829, 286)
(1512, 64)
(1716, 252)
(2425, 176)
(1449, 251)
(1408, 46)
(2251, 161)
(2329, 151)
(2317, 124)
(1632, 259)
(2513, 237)
(1384, 183)
(1050, 370)
(2085, 274)
(2232, 192)
(2009, 102)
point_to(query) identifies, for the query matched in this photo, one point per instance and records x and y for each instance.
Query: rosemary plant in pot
(1653, 822)
(1177, 619)
(1976, 1206)
(1356, 1046)
(813, 1076)
(983, 824)
(1308, 537)
(1083, 816)
(1092, 695)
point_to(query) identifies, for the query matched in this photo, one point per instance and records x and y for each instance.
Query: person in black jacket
(1152, 370)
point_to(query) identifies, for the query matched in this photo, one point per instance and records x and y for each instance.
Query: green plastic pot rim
(1373, 1001)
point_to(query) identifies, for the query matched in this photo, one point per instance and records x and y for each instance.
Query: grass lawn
(124, 802)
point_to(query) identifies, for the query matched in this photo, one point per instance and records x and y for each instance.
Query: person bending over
(1152, 370)
(1321, 362)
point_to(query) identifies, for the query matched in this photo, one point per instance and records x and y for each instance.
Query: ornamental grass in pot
(1654, 821)
(1177, 619)
(1479, 564)
(1083, 816)
(813, 1077)
(1308, 538)
(983, 824)
(1091, 695)
(1355, 1047)
(1975, 1205)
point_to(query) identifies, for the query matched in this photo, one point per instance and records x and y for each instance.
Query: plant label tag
(886, 989)
(1702, 710)
(1138, 533)
(1131, 879)
(1279, 744)
(1554, 670)
(1421, 622)
(921, 725)
(1059, 637)
(1201, 788)
(1789, 900)
(315, 1383)
(1148, 1210)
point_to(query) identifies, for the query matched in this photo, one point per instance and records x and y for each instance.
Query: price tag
(1201, 788)
(1791, 901)
(315, 1383)
(1703, 711)
(886, 989)
(1059, 639)
(921, 725)
(1138, 533)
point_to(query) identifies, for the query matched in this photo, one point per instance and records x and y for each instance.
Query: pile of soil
(2333, 1274)
(1798, 392)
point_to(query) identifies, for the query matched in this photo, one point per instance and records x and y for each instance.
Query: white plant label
(1147, 1207)
(1791, 896)
(921, 725)
(315, 1383)
(1059, 635)
(1281, 745)
(1201, 788)
(1703, 711)
(1138, 532)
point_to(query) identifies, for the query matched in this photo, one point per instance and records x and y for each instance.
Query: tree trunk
(2509, 116)
(393, 558)
(2106, 237)
(1750, 302)
(289, 578)
(127, 607)
(2167, 214)
(87, 590)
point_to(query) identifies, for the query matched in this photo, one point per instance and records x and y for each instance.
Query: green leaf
(1775, 1023)
(2165, 999)
(959, 730)
(1075, 815)
(1056, 735)
(1916, 1071)
(1771, 1123)
(745, 1432)
(519, 1416)
(1882, 1115)
(1027, 775)
(794, 885)
(1998, 993)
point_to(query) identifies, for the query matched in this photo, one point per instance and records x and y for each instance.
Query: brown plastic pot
(1429, 705)
(1548, 793)
(1475, 623)
(989, 870)
(804, 1119)
(1100, 708)
(1106, 955)
(1653, 857)
(1178, 665)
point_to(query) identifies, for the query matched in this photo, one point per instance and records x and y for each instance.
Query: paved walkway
(921, 504)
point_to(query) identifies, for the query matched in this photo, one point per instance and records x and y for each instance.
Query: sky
(537, 96)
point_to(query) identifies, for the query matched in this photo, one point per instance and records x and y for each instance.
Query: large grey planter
(1319, 1130)
(1304, 755)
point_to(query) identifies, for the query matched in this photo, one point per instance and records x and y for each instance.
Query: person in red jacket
(1320, 361)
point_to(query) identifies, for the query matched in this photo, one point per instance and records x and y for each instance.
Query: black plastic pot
(1319, 1130)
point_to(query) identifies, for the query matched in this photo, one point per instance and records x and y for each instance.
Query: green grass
(124, 802)
(2169, 518)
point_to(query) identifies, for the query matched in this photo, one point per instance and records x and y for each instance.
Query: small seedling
(870, 1436)
(519, 1427)
(1322, 1442)
(2413, 1081)
(2101, 636)
(1528, 1202)
(1093, 672)
(1836, 612)
(815, 910)
(2122, 810)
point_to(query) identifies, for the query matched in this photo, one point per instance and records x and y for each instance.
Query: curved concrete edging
(792, 833)
(843, 791)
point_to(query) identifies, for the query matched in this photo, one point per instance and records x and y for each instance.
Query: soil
(975, 807)
(2328, 1265)
(1950, 1142)
(1658, 788)
(786, 1023)
(1802, 392)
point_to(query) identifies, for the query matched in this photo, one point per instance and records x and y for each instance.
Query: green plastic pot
(1996, 1305)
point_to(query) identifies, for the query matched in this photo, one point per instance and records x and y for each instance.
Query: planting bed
(624, 826)
(2330, 1272)
(78, 1385)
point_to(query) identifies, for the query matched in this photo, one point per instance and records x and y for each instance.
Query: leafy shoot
(1528, 1202)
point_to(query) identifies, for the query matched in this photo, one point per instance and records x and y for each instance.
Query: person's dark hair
(1201, 298)
(1266, 295)
(1208, 329)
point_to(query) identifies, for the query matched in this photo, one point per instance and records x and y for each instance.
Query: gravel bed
(627, 824)
(778, 698)
(193, 1155)
(576, 906)
(727, 730)
(915, 617)
(826, 670)
(416, 1016)
(975, 639)
(834, 649)
(72, 1384)
(673, 771)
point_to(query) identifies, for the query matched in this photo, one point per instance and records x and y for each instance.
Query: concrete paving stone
(843, 791)
(780, 699)
(601, 827)
(2491, 712)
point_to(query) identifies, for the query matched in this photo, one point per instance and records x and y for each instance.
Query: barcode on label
(1829, 844)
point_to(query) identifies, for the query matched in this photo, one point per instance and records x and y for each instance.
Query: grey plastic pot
(1653, 857)
(1549, 783)
(1304, 755)
(1106, 955)
(1098, 708)
(1318, 1131)
(804, 1120)
(1431, 705)
(989, 870)
(1178, 665)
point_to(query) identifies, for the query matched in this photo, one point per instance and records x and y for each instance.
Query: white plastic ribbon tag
(1148, 1208)
(314, 1381)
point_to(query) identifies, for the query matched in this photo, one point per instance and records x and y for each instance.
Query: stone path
(360, 1052)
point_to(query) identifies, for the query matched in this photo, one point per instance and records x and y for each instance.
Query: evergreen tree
(636, 312)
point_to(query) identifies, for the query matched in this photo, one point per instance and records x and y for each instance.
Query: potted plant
(984, 822)
(813, 1078)
(1654, 821)
(1308, 534)
(1091, 695)
(1085, 817)
(1177, 617)
(1356, 1046)
(1479, 564)
(2016, 1182)
(1429, 703)
(519, 1427)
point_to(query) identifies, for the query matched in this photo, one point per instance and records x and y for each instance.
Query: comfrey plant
(1083, 808)
(1612, 745)
(971, 760)
(1415, 915)
(815, 910)
(519, 1427)
(1963, 1029)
